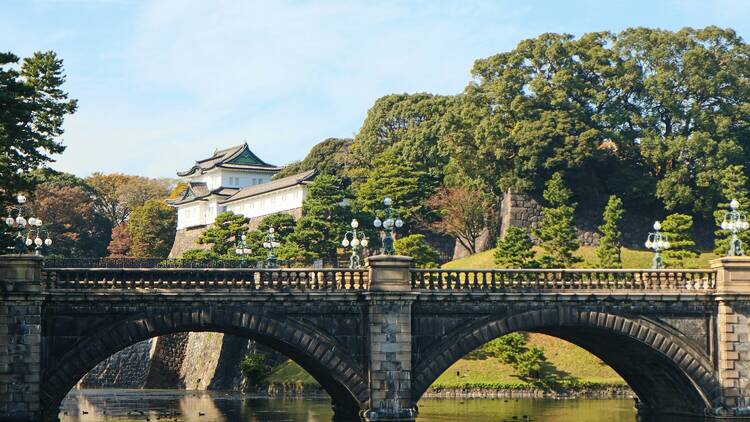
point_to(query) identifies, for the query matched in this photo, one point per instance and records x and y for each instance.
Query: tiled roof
(271, 186)
(224, 157)
(198, 191)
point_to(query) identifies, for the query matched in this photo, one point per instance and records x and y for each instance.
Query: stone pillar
(20, 337)
(390, 300)
(733, 345)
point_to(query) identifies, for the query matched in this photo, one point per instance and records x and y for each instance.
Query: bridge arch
(319, 354)
(668, 374)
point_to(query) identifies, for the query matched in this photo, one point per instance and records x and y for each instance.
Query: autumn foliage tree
(119, 246)
(152, 228)
(69, 215)
(462, 215)
(116, 195)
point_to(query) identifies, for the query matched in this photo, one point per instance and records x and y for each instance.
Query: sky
(161, 84)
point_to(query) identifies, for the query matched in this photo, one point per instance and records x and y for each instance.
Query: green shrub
(255, 367)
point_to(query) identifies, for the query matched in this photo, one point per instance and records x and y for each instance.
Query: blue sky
(163, 83)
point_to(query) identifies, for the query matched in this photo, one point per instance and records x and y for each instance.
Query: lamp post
(735, 221)
(271, 244)
(388, 225)
(241, 248)
(658, 242)
(358, 242)
(31, 227)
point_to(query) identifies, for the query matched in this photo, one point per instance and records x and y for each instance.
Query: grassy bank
(631, 258)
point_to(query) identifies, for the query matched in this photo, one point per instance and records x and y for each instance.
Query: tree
(679, 231)
(515, 250)
(221, 235)
(200, 255)
(121, 242)
(556, 231)
(529, 364)
(408, 123)
(462, 214)
(406, 182)
(331, 157)
(688, 108)
(507, 348)
(610, 243)
(33, 107)
(75, 227)
(116, 195)
(324, 219)
(415, 246)
(152, 228)
(734, 185)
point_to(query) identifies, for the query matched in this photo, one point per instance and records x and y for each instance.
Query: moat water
(201, 406)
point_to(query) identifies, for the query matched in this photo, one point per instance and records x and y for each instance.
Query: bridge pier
(20, 337)
(733, 323)
(390, 339)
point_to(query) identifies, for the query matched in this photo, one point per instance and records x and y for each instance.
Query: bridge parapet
(563, 279)
(204, 278)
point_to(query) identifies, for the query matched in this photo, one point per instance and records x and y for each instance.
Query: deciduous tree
(152, 228)
(119, 246)
(461, 214)
(117, 194)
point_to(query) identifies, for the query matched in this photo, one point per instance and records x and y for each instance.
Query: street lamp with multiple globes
(658, 242)
(241, 248)
(358, 242)
(388, 225)
(735, 221)
(31, 227)
(271, 244)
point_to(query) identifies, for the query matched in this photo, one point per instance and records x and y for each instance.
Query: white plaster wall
(270, 203)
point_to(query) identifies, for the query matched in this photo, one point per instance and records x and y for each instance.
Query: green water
(187, 406)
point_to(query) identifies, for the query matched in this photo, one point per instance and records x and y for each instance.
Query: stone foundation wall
(166, 361)
(127, 368)
(186, 239)
(519, 209)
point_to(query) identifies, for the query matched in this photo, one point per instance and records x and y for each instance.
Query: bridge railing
(562, 279)
(200, 278)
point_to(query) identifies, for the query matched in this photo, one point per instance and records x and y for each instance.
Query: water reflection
(200, 406)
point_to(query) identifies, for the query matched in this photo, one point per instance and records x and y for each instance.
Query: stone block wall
(20, 357)
(186, 239)
(166, 360)
(127, 368)
(519, 209)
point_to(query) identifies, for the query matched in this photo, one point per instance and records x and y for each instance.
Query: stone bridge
(377, 338)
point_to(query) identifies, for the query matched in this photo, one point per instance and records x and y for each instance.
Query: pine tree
(221, 235)
(679, 231)
(415, 246)
(734, 185)
(515, 250)
(324, 219)
(610, 244)
(556, 231)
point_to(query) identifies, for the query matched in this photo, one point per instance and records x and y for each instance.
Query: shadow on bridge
(668, 374)
(316, 352)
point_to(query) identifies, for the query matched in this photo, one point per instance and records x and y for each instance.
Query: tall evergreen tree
(734, 185)
(556, 231)
(324, 219)
(515, 250)
(679, 231)
(610, 244)
(33, 107)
